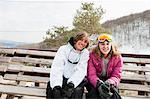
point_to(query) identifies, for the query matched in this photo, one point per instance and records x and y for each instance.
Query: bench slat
(134, 87)
(26, 60)
(23, 68)
(135, 97)
(31, 60)
(3, 68)
(38, 79)
(7, 51)
(32, 97)
(136, 60)
(36, 53)
(5, 59)
(135, 77)
(26, 78)
(22, 90)
(136, 68)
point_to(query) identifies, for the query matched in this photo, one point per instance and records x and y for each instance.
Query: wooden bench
(18, 81)
(16, 75)
(27, 57)
(42, 80)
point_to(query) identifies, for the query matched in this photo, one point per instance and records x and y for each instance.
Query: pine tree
(88, 18)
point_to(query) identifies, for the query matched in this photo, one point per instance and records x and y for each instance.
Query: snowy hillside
(132, 32)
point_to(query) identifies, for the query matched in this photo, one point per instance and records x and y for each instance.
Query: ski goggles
(104, 37)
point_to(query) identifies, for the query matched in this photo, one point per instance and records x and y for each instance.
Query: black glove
(115, 92)
(99, 83)
(57, 92)
(48, 91)
(107, 86)
(69, 89)
(104, 90)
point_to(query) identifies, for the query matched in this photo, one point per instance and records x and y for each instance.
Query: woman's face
(105, 47)
(80, 44)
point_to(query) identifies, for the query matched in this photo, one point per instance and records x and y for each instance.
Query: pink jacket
(114, 70)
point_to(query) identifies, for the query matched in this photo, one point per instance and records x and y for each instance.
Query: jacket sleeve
(91, 72)
(56, 73)
(117, 72)
(81, 70)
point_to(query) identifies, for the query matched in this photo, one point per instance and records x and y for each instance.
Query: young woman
(104, 69)
(69, 69)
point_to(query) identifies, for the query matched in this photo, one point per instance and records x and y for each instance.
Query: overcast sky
(27, 20)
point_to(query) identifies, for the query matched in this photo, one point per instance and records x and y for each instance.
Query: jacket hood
(71, 41)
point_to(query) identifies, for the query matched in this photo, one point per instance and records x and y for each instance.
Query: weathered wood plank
(27, 52)
(41, 92)
(18, 68)
(35, 53)
(3, 96)
(22, 90)
(49, 61)
(136, 60)
(7, 82)
(32, 60)
(26, 60)
(136, 68)
(41, 70)
(26, 78)
(5, 59)
(47, 70)
(7, 51)
(3, 68)
(134, 87)
(130, 60)
(145, 60)
(147, 78)
(38, 79)
(14, 68)
(32, 97)
(135, 97)
(135, 77)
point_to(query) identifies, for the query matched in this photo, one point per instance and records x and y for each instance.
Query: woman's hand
(69, 89)
(104, 90)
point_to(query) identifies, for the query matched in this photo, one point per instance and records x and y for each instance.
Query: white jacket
(62, 67)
